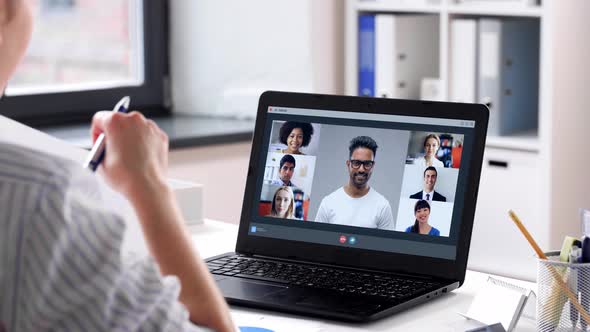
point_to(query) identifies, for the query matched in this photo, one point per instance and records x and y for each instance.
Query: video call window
(352, 176)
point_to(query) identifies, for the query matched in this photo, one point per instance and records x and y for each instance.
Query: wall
(221, 169)
(224, 53)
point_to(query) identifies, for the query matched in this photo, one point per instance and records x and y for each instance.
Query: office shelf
(538, 173)
(388, 6)
(527, 141)
(503, 11)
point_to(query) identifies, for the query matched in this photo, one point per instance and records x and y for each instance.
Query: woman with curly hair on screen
(295, 135)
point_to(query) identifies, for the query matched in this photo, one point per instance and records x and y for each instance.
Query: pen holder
(555, 310)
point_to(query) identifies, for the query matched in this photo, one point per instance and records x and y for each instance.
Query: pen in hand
(96, 155)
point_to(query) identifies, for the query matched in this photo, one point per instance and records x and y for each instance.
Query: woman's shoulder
(434, 231)
(409, 229)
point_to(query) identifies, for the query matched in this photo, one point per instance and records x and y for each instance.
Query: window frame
(151, 98)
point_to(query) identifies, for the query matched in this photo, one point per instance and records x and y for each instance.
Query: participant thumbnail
(424, 217)
(358, 173)
(431, 183)
(293, 137)
(435, 149)
(285, 170)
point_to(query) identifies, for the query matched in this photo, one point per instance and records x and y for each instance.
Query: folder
(384, 56)
(508, 73)
(416, 45)
(395, 53)
(463, 71)
(366, 55)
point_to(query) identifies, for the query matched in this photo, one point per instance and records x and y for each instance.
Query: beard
(360, 179)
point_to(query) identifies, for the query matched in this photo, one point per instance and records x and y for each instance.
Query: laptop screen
(388, 183)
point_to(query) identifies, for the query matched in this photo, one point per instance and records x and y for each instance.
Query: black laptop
(355, 208)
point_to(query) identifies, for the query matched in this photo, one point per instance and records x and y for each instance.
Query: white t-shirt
(370, 211)
(422, 162)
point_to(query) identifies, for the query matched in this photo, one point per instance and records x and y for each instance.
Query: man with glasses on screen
(61, 262)
(356, 203)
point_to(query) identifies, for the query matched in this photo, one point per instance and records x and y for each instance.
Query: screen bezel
(355, 257)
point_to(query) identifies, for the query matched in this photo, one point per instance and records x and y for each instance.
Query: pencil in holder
(563, 300)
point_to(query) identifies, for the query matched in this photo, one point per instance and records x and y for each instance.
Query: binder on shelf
(395, 53)
(416, 45)
(463, 71)
(508, 73)
(366, 55)
(384, 55)
(501, 3)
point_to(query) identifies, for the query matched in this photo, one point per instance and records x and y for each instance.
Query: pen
(584, 296)
(585, 258)
(96, 155)
(573, 282)
(571, 296)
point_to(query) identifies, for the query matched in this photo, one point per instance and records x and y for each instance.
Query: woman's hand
(136, 157)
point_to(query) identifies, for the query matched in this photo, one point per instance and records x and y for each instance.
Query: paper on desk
(494, 303)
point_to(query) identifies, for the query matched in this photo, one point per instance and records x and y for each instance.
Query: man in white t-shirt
(356, 203)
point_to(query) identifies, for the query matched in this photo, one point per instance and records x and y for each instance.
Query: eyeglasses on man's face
(368, 164)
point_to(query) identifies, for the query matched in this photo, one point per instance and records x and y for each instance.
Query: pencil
(527, 235)
(571, 296)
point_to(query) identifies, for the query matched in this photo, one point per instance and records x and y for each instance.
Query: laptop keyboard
(343, 281)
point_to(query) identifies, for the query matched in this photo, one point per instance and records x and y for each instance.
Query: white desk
(213, 238)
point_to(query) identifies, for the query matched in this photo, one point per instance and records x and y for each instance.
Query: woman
(295, 135)
(431, 145)
(68, 271)
(283, 204)
(421, 226)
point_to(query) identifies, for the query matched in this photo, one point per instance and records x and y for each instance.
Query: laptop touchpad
(243, 289)
(338, 303)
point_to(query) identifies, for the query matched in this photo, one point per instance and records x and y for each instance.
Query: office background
(537, 171)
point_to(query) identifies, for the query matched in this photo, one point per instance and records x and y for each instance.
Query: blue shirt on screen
(433, 231)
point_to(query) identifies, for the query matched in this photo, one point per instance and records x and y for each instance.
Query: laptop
(355, 208)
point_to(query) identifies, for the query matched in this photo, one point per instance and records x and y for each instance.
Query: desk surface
(213, 238)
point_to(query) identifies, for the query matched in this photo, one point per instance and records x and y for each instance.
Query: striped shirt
(61, 262)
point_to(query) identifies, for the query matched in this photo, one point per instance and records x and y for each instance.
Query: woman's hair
(421, 204)
(288, 127)
(431, 136)
(291, 210)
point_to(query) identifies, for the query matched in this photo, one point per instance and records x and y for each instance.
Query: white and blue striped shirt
(61, 262)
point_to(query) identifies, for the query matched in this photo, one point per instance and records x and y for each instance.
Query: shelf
(527, 141)
(382, 6)
(478, 9)
(495, 10)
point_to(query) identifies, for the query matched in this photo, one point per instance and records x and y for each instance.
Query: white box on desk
(189, 196)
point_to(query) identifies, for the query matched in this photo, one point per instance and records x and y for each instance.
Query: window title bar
(372, 117)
